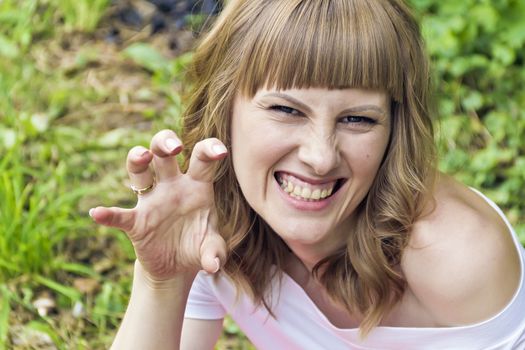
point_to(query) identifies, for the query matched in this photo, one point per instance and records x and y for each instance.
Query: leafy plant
(35, 216)
(478, 53)
(20, 23)
(59, 144)
(81, 15)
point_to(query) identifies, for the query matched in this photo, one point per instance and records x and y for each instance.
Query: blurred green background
(72, 103)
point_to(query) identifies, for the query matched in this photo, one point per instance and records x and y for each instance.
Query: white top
(299, 324)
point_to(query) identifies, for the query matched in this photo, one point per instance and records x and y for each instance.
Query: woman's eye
(285, 109)
(358, 123)
(354, 119)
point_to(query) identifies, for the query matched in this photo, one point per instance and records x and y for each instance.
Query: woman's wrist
(182, 279)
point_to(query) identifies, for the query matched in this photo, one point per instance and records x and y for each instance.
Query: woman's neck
(311, 253)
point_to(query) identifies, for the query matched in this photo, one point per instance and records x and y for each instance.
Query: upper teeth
(301, 190)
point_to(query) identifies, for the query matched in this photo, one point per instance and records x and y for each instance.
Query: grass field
(71, 105)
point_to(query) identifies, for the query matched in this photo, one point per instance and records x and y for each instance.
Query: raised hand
(173, 227)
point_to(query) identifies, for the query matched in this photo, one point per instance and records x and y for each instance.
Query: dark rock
(158, 23)
(130, 16)
(113, 36)
(172, 17)
(173, 45)
(165, 6)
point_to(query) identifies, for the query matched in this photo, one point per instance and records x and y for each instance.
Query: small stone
(86, 285)
(78, 310)
(29, 338)
(44, 304)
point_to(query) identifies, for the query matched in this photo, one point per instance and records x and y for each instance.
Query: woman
(311, 199)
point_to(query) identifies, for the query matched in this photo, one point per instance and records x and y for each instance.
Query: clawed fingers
(123, 219)
(165, 145)
(203, 157)
(161, 216)
(139, 171)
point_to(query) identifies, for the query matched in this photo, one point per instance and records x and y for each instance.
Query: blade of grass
(69, 292)
(76, 268)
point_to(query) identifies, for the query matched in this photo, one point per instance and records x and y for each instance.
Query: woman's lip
(308, 180)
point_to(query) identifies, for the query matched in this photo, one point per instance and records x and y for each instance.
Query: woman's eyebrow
(364, 108)
(290, 99)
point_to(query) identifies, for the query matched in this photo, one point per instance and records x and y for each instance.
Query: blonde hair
(333, 44)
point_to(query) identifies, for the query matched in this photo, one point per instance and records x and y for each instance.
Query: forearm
(155, 313)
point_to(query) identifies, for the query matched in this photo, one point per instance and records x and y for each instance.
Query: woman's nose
(319, 151)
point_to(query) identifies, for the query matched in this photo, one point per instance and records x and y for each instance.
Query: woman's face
(305, 158)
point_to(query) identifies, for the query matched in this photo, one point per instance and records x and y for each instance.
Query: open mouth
(305, 191)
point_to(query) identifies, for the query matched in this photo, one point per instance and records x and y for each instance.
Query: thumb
(213, 253)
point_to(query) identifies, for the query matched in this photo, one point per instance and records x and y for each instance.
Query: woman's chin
(305, 235)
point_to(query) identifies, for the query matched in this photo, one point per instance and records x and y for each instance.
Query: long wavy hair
(333, 44)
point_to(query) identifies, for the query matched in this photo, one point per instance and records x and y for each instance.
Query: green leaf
(503, 53)
(147, 57)
(180, 63)
(487, 16)
(8, 48)
(114, 138)
(473, 101)
(461, 65)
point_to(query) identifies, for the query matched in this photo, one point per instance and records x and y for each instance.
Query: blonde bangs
(332, 44)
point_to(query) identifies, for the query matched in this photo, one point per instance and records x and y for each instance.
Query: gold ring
(139, 191)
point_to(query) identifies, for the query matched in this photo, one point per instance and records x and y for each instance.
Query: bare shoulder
(461, 262)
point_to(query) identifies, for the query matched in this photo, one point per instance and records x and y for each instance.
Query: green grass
(83, 15)
(63, 142)
(34, 218)
(71, 107)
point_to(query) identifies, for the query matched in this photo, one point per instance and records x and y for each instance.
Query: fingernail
(219, 149)
(218, 263)
(143, 154)
(91, 212)
(172, 144)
